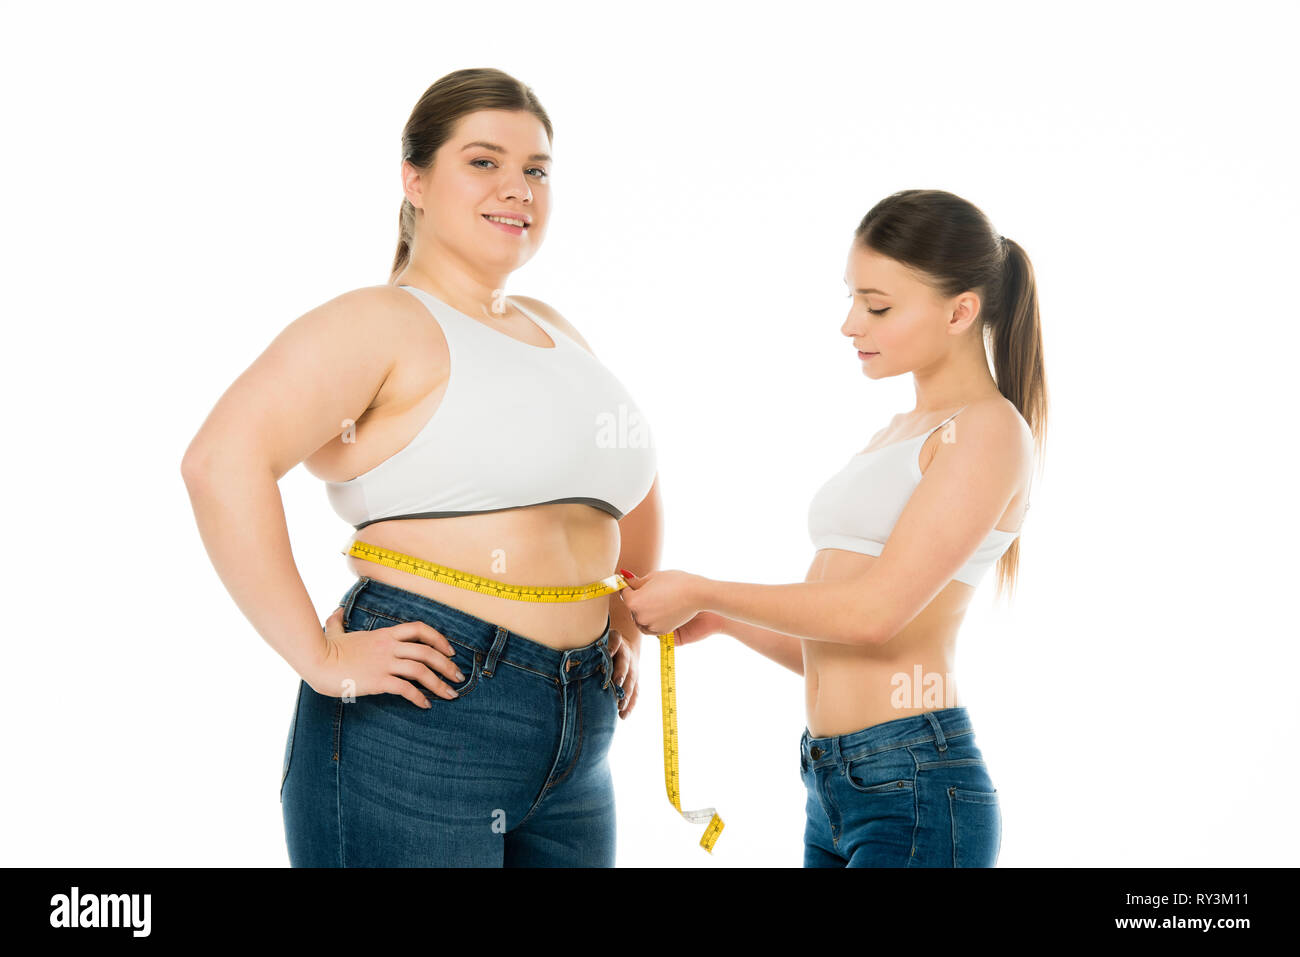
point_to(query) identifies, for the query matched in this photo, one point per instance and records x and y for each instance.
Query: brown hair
(434, 118)
(956, 249)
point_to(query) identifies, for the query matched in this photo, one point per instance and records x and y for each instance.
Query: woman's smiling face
(895, 315)
(496, 163)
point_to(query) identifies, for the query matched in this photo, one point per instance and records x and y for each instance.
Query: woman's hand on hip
(388, 660)
(626, 670)
(627, 659)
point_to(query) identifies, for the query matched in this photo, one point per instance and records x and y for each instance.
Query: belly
(848, 688)
(542, 545)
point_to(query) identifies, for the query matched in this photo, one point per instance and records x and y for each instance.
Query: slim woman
(903, 534)
(434, 725)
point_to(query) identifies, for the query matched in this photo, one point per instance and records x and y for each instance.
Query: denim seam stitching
(578, 753)
(338, 780)
(826, 758)
(353, 592)
(293, 734)
(461, 643)
(475, 674)
(398, 621)
(952, 819)
(495, 652)
(537, 801)
(916, 810)
(859, 755)
(955, 763)
(830, 799)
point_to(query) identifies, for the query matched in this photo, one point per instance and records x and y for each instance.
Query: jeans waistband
(937, 726)
(496, 643)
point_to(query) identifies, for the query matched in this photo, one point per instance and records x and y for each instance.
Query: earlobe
(411, 186)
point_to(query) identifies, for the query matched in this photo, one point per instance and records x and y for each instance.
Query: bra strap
(946, 421)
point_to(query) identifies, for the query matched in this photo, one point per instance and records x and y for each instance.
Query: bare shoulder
(356, 311)
(1002, 429)
(325, 367)
(363, 332)
(550, 315)
(375, 304)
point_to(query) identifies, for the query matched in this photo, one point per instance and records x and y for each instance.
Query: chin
(509, 260)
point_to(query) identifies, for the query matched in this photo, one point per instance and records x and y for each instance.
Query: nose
(516, 187)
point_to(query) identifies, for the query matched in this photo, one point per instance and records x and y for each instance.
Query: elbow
(198, 464)
(875, 634)
(873, 620)
(868, 638)
(193, 465)
(857, 636)
(878, 636)
(878, 620)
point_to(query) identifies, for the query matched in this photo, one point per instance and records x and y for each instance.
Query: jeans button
(816, 753)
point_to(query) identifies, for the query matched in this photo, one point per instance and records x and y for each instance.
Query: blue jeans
(913, 792)
(513, 773)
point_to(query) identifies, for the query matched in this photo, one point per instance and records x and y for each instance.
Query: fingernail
(625, 573)
(459, 676)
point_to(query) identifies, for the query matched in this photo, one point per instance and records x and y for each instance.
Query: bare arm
(641, 533)
(782, 648)
(959, 500)
(322, 370)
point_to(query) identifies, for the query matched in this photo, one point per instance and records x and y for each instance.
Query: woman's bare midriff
(560, 544)
(851, 687)
(564, 543)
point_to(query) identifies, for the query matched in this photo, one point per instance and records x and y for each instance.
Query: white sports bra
(858, 507)
(518, 425)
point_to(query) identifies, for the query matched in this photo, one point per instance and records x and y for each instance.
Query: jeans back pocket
(976, 826)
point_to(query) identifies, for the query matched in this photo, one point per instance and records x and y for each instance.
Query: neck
(960, 377)
(473, 288)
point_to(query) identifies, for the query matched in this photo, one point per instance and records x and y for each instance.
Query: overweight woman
(903, 533)
(437, 725)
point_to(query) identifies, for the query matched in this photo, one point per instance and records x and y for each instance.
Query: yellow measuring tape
(606, 586)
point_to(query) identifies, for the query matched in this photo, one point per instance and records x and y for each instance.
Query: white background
(181, 182)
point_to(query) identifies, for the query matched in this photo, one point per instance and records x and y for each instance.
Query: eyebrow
(543, 157)
(878, 292)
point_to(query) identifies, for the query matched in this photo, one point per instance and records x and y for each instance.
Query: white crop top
(518, 425)
(858, 506)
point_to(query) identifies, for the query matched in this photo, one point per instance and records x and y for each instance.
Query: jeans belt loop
(497, 645)
(940, 741)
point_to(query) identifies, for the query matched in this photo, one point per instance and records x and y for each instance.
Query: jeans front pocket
(976, 826)
(466, 658)
(880, 775)
(288, 744)
(358, 621)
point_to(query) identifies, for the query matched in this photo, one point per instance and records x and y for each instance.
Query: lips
(518, 220)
